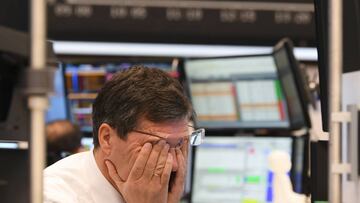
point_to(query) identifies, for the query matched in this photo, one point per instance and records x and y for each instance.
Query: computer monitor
(235, 169)
(249, 92)
(237, 92)
(84, 77)
(9, 72)
(14, 175)
(14, 113)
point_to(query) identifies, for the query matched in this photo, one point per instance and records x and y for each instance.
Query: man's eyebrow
(148, 133)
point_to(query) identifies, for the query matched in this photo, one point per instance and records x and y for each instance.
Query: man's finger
(140, 162)
(165, 177)
(153, 159)
(113, 173)
(181, 161)
(180, 173)
(161, 161)
(185, 148)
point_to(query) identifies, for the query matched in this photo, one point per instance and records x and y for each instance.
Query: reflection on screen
(237, 92)
(235, 169)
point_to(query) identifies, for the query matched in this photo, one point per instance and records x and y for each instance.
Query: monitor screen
(235, 169)
(57, 102)
(237, 92)
(87, 143)
(84, 80)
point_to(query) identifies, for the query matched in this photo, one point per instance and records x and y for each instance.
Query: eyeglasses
(196, 137)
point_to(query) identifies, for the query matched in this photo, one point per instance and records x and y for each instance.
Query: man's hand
(177, 189)
(148, 180)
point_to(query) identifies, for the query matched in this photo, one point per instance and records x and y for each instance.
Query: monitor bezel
(286, 44)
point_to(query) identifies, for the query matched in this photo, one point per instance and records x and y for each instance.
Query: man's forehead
(174, 132)
(176, 126)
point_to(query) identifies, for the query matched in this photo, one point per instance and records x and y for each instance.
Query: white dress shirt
(77, 179)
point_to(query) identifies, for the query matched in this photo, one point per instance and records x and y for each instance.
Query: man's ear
(105, 134)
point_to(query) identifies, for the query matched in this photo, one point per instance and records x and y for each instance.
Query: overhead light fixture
(168, 50)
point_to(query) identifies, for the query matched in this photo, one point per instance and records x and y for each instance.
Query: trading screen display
(87, 143)
(57, 102)
(237, 92)
(83, 82)
(235, 169)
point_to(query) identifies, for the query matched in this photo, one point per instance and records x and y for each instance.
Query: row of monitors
(238, 92)
(241, 170)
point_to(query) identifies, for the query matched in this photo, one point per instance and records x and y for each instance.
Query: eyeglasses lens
(197, 137)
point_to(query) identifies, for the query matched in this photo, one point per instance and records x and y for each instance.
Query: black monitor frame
(15, 175)
(285, 45)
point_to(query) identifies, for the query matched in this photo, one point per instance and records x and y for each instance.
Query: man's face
(125, 151)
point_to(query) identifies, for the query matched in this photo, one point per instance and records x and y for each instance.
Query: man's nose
(175, 165)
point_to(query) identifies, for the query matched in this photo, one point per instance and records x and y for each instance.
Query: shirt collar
(99, 186)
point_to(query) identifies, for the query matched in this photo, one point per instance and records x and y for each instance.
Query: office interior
(258, 74)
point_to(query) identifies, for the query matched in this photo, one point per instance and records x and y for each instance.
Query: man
(63, 138)
(141, 136)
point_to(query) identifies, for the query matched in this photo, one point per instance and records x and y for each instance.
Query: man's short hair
(136, 93)
(62, 136)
